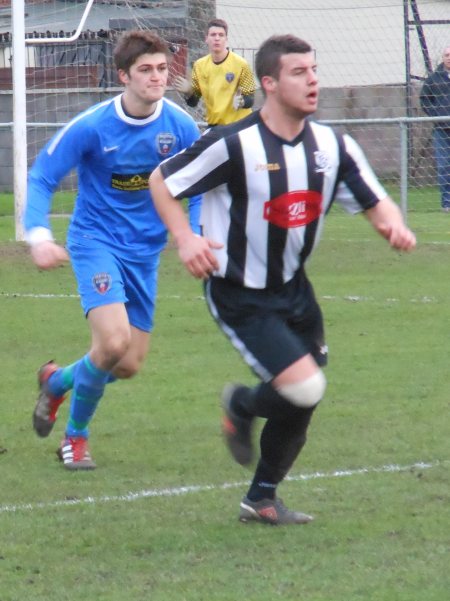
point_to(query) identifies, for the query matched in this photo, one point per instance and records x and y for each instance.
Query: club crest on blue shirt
(229, 76)
(102, 282)
(165, 143)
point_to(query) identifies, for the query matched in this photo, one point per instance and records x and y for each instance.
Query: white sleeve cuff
(38, 234)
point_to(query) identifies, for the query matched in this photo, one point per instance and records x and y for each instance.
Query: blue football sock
(88, 387)
(62, 380)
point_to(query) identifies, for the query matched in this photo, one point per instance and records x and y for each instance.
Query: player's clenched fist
(48, 254)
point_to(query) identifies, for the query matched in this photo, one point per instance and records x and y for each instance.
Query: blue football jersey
(114, 155)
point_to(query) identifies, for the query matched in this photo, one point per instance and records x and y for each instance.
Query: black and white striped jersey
(265, 198)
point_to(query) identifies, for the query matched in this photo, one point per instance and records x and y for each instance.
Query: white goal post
(19, 102)
(19, 115)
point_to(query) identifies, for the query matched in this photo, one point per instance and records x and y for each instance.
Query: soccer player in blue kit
(115, 236)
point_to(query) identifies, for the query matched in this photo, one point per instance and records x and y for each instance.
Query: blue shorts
(105, 278)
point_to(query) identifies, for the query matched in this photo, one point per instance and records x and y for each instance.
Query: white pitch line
(354, 298)
(195, 488)
(35, 295)
(70, 296)
(376, 240)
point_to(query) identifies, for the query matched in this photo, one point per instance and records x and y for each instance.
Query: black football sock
(281, 442)
(264, 483)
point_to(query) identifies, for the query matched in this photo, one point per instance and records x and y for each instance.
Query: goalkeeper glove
(182, 85)
(238, 101)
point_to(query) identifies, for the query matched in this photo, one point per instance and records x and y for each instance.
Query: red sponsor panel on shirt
(293, 209)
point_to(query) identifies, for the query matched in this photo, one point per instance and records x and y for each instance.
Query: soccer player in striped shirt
(115, 235)
(268, 182)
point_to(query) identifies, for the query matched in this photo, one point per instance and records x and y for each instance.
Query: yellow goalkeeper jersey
(217, 83)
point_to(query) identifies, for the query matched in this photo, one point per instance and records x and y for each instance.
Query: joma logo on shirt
(267, 167)
(293, 209)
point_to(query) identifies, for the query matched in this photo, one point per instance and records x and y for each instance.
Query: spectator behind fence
(223, 78)
(435, 101)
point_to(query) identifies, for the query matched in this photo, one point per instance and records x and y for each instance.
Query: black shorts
(271, 329)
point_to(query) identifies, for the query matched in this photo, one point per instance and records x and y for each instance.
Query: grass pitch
(158, 518)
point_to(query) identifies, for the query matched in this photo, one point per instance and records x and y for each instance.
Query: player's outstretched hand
(182, 85)
(196, 254)
(48, 255)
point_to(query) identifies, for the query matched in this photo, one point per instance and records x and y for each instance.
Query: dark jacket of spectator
(435, 96)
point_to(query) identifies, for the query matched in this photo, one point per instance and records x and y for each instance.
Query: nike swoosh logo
(109, 148)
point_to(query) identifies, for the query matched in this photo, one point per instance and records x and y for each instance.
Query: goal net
(372, 60)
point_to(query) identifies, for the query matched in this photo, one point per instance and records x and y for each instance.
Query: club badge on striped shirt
(322, 161)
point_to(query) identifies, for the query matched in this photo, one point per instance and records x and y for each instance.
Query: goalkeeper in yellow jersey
(222, 78)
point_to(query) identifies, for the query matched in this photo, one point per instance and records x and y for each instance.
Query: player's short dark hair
(218, 23)
(267, 61)
(133, 44)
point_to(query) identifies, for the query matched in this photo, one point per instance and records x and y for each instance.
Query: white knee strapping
(307, 393)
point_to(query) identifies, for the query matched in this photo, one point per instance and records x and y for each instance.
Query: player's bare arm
(387, 219)
(194, 251)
